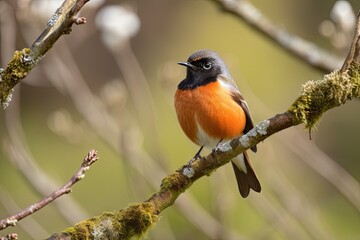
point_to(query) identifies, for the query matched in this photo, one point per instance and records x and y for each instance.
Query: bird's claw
(196, 157)
(213, 151)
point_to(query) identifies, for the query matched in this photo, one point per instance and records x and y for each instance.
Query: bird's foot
(196, 157)
(216, 147)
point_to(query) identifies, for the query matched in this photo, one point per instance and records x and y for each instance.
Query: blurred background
(109, 85)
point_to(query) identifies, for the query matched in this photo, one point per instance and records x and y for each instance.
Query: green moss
(17, 69)
(354, 72)
(133, 221)
(174, 182)
(319, 96)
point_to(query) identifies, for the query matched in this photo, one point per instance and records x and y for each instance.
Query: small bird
(211, 109)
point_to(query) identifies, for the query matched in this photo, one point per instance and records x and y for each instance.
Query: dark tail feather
(247, 180)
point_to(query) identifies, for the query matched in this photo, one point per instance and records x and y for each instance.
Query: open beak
(186, 64)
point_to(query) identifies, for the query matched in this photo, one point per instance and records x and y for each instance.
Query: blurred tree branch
(316, 98)
(301, 48)
(25, 60)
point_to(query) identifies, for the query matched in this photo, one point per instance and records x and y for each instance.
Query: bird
(210, 109)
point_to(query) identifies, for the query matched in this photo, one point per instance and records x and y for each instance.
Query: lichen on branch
(18, 68)
(318, 96)
(132, 221)
(24, 61)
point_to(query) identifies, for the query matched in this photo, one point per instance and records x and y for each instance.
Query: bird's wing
(236, 95)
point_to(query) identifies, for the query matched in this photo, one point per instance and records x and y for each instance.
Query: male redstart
(211, 109)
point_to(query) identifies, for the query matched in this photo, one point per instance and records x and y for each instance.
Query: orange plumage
(210, 108)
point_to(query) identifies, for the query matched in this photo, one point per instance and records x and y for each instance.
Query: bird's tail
(245, 175)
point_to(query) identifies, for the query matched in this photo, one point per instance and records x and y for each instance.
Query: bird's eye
(207, 65)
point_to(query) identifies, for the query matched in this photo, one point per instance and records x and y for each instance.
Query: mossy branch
(334, 90)
(133, 221)
(316, 98)
(319, 96)
(25, 60)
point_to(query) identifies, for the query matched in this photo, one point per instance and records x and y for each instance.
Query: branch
(31, 227)
(25, 60)
(315, 99)
(146, 166)
(136, 219)
(11, 236)
(89, 159)
(305, 50)
(21, 157)
(354, 52)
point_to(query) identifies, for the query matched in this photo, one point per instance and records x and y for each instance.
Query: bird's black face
(203, 67)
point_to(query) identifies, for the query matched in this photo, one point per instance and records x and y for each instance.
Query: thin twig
(89, 159)
(305, 50)
(354, 48)
(10, 236)
(21, 157)
(32, 227)
(25, 60)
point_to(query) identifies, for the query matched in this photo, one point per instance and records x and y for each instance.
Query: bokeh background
(113, 91)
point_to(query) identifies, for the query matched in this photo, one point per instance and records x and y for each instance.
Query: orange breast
(212, 108)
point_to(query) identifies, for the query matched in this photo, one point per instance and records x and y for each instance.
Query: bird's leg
(196, 157)
(217, 145)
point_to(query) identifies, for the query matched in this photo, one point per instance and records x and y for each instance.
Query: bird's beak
(186, 64)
